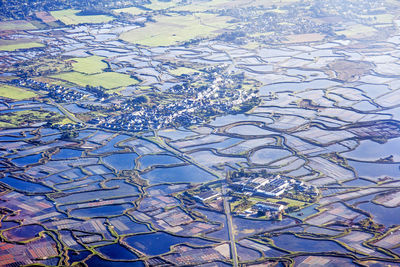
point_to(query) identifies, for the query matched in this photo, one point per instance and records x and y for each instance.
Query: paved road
(230, 227)
(225, 199)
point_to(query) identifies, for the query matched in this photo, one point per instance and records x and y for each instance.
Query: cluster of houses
(56, 92)
(198, 104)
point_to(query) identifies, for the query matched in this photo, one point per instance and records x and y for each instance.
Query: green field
(357, 31)
(130, 10)
(19, 118)
(16, 25)
(16, 93)
(161, 5)
(170, 30)
(12, 45)
(200, 6)
(69, 17)
(89, 65)
(108, 80)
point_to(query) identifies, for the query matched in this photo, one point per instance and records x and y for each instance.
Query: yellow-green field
(160, 5)
(358, 31)
(130, 10)
(108, 80)
(16, 25)
(12, 45)
(200, 6)
(16, 93)
(89, 65)
(170, 30)
(69, 17)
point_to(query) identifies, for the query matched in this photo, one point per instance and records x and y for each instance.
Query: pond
(185, 174)
(117, 252)
(291, 86)
(23, 233)
(121, 162)
(229, 119)
(249, 130)
(371, 151)
(175, 134)
(66, 153)
(102, 211)
(109, 147)
(267, 155)
(293, 243)
(27, 160)
(375, 170)
(123, 189)
(160, 242)
(381, 214)
(150, 160)
(25, 186)
(75, 256)
(99, 262)
(124, 225)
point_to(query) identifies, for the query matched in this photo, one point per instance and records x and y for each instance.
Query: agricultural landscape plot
(200, 133)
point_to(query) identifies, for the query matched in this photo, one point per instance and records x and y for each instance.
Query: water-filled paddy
(109, 147)
(120, 162)
(370, 151)
(25, 186)
(188, 174)
(117, 252)
(31, 159)
(293, 243)
(290, 86)
(102, 211)
(67, 153)
(229, 119)
(249, 130)
(375, 170)
(99, 262)
(266, 155)
(381, 214)
(160, 242)
(77, 256)
(123, 189)
(150, 160)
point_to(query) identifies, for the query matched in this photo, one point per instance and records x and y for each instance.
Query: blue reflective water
(160, 242)
(99, 262)
(117, 252)
(25, 185)
(150, 160)
(375, 170)
(188, 174)
(293, 243)
(66, 153)
(120, 162)
(381, 214)
(102, 211)
(27, 160)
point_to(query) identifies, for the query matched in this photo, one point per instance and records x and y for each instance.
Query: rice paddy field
(232, 133)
